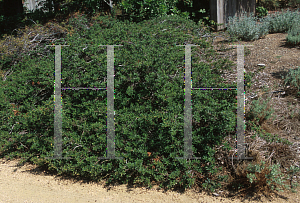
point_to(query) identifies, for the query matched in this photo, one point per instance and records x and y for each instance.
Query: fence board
(220, 10)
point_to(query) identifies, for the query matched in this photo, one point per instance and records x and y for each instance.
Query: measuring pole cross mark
(240, 136)
(58, 105)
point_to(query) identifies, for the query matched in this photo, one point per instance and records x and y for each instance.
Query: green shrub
(282, 22)
(149, 103)
(261, 12)
(137, 10)
(293, 78)
(246, 28)
(211, 185)
(292, 171)
(248, 80)
(8, 24)
(293, 36)
(262, 175)
(270, 176)
(294, 3)
(269, 4)
(260, 111)
(266, 136)
(89, 7)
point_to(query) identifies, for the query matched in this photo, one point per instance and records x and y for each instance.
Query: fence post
(220, 10)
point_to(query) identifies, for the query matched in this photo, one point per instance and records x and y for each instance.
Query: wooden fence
(32, 5)
(220, 10)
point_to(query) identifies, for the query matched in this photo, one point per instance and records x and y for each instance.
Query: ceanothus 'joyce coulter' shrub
(149, 103)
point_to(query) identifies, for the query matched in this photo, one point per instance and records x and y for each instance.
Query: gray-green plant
(281, 22)
(246, 28)
(275, 179)
(266, 136)
(260, 111)
(293, 78)
(292, 171)
(293, 36)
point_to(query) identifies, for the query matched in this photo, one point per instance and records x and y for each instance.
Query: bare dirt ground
(267, 81)
(30, 183)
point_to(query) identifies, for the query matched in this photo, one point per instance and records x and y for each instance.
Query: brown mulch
(268, 83)
(278, 59)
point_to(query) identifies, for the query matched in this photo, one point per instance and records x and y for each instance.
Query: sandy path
(18, 184)
(21, 184)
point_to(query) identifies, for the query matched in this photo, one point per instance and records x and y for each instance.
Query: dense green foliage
(269, 4)
(136, 10)
(141, 10)
(293, 3)
(133, 10)
(261, 12)
(149, 103)
(275, 4)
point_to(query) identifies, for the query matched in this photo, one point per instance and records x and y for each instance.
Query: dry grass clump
(272, 168)
(23, 40)
(26, 39)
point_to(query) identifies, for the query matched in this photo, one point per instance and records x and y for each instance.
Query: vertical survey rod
(188, 152)
(110, 103)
